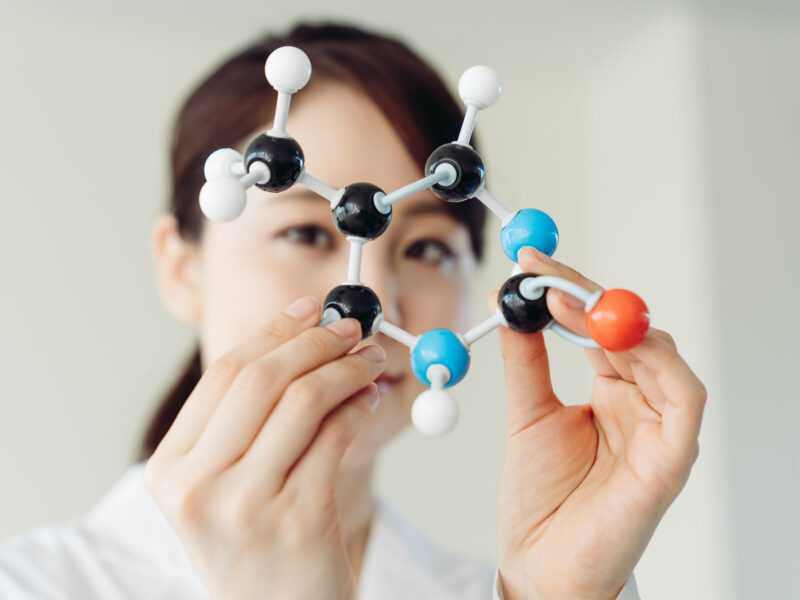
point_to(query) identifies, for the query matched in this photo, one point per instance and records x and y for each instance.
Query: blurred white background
(664, 138)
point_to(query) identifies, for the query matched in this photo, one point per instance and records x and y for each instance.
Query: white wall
(751, 70)
(662, 138)
(647, 221)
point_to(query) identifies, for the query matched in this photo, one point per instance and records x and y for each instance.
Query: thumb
(527, 371)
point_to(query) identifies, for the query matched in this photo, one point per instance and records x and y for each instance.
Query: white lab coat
(124, 549)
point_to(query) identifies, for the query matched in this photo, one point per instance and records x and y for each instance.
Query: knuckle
(360, 368)
(316, 343)
(277, 329)
(304, 392)
(702, 396)
(284, 502)
(184, 506)
(634, 394)
(355, 411)
(702, 392)
(577, 277)
(299, 531)
(604, 390)
(335, 430)
(255, 376)
(524, 357)
(302, 527)
(224, 368)
(665, 337)
(569, 273)
(601, 384)
(240, 514)
(361, 410)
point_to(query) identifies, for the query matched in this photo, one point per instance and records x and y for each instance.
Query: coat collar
(399, 561)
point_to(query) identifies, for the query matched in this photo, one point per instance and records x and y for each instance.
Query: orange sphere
(619, 320)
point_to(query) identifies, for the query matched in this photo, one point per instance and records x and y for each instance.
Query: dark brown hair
(235, 100)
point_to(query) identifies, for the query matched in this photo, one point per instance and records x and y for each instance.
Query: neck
(356, 508)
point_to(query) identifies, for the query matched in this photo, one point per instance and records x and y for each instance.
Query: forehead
(346, 138)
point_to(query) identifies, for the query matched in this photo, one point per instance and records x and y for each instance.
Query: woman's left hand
(583, 487)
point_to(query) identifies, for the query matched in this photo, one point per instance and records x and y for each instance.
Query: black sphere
(357, 302)
(356, 213)
(282, 155)
(527, 316)
(469, 171)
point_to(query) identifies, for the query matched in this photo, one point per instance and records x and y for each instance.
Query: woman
(262, 468)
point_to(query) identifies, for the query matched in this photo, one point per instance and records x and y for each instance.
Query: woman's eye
(309, 235)
(431, 251)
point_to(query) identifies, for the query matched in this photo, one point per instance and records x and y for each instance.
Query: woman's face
(286, 245)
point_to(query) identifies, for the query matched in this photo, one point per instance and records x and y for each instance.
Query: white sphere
(480, 85)
(288, 69)
(434, 412)
(219, 163)
(222, 199)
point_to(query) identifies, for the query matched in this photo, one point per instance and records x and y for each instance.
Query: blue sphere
(440, 347)
(530, 227)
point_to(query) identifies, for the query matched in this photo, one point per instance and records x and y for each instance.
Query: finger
(646, 381)
(319, 464)
(533, 261)
(527, 372)
(254, 392)
(626, 363)
(569, 312)
(297, 416)
(565, 308)
(201, 403)
(642, 376)
(632, 370)
(620, 409)
(685, 395)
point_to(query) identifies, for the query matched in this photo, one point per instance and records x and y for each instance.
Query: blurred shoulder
(121, 548)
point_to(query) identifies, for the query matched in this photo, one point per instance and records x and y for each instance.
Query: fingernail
(537, 255)
(373, 397)
(344, 327)
(302, 308)
(374, 353)
(570, 300)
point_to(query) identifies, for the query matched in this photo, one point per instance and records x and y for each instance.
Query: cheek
(241, 291)
(440, 304)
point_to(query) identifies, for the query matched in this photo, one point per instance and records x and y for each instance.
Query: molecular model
(616, 319)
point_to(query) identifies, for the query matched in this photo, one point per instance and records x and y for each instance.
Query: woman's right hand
(246, 474)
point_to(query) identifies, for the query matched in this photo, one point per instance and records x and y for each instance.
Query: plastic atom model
(616, 319)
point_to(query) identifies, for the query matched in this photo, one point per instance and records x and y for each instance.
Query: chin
(392, 416)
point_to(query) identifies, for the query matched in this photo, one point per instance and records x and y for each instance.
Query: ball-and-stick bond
(616, 319)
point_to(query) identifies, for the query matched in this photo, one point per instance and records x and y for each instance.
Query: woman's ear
(177, 267)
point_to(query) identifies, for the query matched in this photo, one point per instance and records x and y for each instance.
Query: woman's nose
(378, 274)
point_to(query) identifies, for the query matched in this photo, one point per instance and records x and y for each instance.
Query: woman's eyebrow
(425, 208)
(411, 210)
(289, 196)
